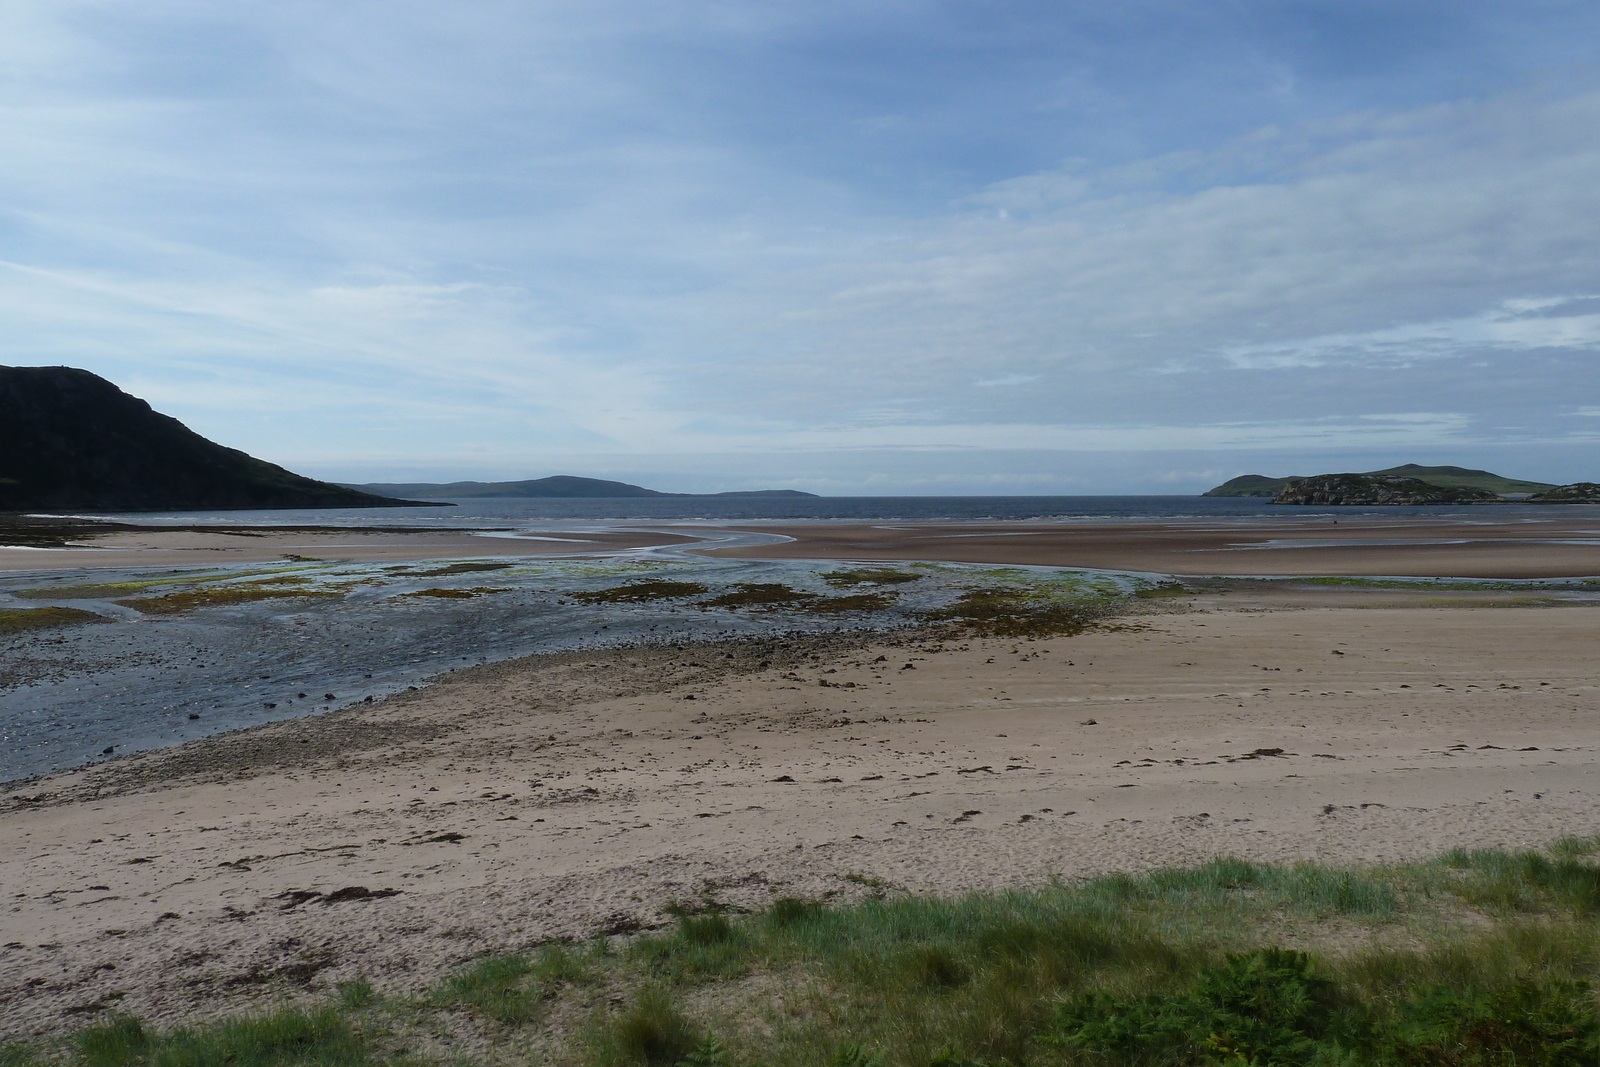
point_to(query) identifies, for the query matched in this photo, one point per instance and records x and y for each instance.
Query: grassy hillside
(557, 487)
(1464, 478)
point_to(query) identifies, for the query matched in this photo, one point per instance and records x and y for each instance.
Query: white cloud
(530, 228)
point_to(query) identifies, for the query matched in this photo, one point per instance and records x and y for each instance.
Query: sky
(864, 247)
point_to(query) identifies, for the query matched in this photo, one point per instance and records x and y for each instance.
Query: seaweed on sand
(868, 576)
(640, 592)
(16, 620)
(462, 568)
(455, 594)
(842, 605)
(758, 595)
(1011, 612)
(189, 599)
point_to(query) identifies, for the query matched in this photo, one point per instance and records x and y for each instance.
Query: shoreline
(565, 795)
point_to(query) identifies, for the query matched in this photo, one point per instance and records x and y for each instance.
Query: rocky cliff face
(70, 440)
(1327, 489)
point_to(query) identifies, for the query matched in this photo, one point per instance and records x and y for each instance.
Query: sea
(81, 694)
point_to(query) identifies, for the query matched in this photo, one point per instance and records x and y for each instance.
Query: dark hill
(70, 440)
(560, 486)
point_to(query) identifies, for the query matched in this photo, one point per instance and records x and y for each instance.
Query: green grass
(289, 1038)
(1480, 958)
(512, 989)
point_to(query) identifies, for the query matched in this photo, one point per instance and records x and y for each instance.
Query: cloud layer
(907, 246)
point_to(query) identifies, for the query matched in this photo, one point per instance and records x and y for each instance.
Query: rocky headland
(70, 440)
(1375, 489)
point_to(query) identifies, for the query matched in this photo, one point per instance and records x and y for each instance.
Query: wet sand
(568, 795)
(156, 547)
(1497, 546)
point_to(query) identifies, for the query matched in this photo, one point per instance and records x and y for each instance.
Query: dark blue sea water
(517, 513)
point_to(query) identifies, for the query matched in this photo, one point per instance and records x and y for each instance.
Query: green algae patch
(845, 605)
(463, 568)
(1010, 612)
(869, 576)
(190, 599)
(18, 620)
(640, 592)
(111, 590)
(455, 594)
(758, 595)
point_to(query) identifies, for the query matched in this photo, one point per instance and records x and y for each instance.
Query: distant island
(70, 440)
(557, 487)
(1410, 484)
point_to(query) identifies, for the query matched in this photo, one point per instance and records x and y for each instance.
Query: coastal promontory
(1374, 489)
(70, 440)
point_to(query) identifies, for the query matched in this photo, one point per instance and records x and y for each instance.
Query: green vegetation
(842, 605)
(16, 620)
(456, 594)
(462, 568)
(757, 595)
(868, 576)
(324, 1038)
(1022, 612)
(512, 989)
(220, 596)
(640, 592)
(1477, 959)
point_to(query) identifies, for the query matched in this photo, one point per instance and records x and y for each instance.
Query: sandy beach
(1497, 545)
(571, 795)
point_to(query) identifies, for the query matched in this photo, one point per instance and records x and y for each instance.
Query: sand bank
(156, 547)
(1493, 547)
(565, 796)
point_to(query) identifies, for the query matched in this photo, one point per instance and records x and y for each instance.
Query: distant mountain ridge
(556, 487)
(70, 440)
(1444, 477)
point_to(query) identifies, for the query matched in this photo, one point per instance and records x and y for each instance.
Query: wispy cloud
(544, 232)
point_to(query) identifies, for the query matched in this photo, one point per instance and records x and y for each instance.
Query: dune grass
(1476, 959)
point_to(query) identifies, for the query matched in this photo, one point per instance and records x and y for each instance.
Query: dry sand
(560, 797)
(1498, 545)
(156, 547)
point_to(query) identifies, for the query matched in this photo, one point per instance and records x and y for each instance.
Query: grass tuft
(652, 1033)
(512, 989)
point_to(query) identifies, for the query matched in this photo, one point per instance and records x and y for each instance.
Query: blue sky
(863, 247)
